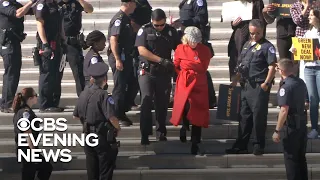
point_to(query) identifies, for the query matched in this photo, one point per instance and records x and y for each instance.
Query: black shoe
(257, 150)
(124, 123)
(183, 135)
(162, 137)
(194, 149)
(52, 109)
(7, 110)
(125, 118)
(145, 140)
(236, 151)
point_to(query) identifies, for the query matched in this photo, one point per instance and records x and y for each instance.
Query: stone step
(172, 146)
(171, 161)
(215, 131)
(6, 118)
(181, 174)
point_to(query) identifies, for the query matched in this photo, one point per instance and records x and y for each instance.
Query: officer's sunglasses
(159, 25)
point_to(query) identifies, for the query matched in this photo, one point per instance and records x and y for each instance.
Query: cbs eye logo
(23, 124)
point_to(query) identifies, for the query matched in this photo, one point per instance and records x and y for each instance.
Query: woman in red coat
(191, 61)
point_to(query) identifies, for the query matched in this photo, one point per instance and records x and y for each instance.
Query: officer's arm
(40, 23)
(27, 116)
(201, 14)
(141, 43)
(109, 110)
(23, 10)
(63, 35)
(272, 60)
(177, 41)
(283, 101)
(76, 113)
(87, 7)
(114, 47)
(11, 11)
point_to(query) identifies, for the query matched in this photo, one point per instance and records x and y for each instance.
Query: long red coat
(191, 66)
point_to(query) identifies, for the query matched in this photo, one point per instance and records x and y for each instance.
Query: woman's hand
(237, 21)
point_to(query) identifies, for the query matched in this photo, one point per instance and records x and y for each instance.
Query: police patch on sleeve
(110, 100)
(200, 3)
(117, 22)
(39, 7)
(94, 60)
(272, 50)
(140, 32)
(5, 3)
(26, 115)
(170, 33)
(282, 92)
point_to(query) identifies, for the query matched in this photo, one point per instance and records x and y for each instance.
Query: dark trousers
(195, 130)
(254, 110)
(11, 54)
(123, 80)
(283, 45)
(133, 86)
(50, 80)
(100, 160)
(155, 88)
(294, 143)
(75, 59)
(211, 91)
(30, 170)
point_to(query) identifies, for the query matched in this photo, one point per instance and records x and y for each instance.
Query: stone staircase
(161, 160)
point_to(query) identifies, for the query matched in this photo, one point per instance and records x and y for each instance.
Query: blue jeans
(312, 79)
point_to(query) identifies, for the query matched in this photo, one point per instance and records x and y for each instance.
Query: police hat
(98, 69)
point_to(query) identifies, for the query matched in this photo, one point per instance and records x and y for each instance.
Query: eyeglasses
(159, 25)
(35, 95)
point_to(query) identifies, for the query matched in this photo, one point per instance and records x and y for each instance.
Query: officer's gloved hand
(166, 63)
(46, 51)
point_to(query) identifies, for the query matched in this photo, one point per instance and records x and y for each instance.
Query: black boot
(183, 134)
(194, 149)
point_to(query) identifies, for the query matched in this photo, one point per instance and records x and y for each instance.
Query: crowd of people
(140, 49)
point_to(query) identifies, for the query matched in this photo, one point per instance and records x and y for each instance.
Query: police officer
(71, 11)
(155, 42)
(140, 16)
(195, 13)
(11, 35)
(49, 38)
(96, 41)
(22, 104)
(95, 109)
(121, 42)
(257, 70)
(292, 120)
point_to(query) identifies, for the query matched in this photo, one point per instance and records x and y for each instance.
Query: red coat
(191, 66)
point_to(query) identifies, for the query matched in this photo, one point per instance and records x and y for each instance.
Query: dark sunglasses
(158, 25)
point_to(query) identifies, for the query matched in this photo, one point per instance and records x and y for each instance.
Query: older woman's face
(192, 44)
(313, 20)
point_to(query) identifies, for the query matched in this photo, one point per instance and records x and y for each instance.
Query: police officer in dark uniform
(96, 41)
(22, 104)
(256, 70)
(11, 35)
(121, 42)
(50, 35)
(71, 11)
(292, 120)
(140, 16)
(195, 13)
(95, 109)
(155, 42)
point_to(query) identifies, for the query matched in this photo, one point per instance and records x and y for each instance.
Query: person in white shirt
(310, 72)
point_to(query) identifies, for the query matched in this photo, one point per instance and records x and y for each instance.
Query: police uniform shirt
(25, 112)
(100, 106)
(120, 25)
(292, 93)
(261, 55)
(91, 58)
(49, 13)
(8, 19)
(193, 13)
(159, 43)
(72, 16)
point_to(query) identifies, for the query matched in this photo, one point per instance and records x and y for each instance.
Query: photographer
(256, 69)
(11, 35)
(95, 109)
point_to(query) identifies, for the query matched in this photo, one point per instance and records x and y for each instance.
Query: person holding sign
(191, 61)
(312, 72)
(299, 12)
(292, 120)
(256, 70)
